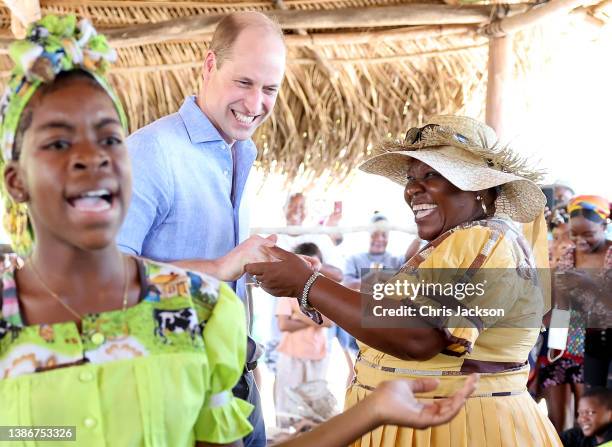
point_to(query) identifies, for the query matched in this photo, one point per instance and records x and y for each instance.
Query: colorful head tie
(52, 45)
(596, 204)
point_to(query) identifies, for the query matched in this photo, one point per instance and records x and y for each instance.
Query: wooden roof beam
(366, 17)
(536, 15)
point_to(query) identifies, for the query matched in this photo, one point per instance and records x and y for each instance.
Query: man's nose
(253, 101)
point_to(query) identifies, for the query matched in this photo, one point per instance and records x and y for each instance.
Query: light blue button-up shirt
(182, 202)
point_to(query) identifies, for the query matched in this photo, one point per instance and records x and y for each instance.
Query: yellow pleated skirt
(491, 421)
(508, 421)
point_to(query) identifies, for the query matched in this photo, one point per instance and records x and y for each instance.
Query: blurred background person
(592, 253)
(295, 211)
(302, 351)
(377, 256)
(563, 192)
(560, 230)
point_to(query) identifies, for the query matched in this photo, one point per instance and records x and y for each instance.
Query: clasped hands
(279, 272)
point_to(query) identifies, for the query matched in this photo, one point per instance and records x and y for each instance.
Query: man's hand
(395, 403)
(231, 266)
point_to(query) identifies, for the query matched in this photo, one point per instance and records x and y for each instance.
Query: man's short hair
(602, 395)
(230, 27)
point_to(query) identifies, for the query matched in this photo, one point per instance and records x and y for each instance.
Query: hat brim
(520, 199)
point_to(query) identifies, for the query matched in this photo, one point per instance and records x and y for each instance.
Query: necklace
(66, 306)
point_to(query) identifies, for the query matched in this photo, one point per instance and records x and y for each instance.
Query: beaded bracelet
(304, 299)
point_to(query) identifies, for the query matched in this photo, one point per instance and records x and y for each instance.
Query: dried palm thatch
(341, 94)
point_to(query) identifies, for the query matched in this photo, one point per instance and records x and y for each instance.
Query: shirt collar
(201, 130)
(198, 126)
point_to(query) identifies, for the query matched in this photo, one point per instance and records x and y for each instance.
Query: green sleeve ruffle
(225, 423)
(223, 418)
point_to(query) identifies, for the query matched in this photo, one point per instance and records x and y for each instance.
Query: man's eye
(431, 174)
(409, 178)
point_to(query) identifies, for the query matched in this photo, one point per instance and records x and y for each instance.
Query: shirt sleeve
(224, 417)
(350, 268)
(151, 191)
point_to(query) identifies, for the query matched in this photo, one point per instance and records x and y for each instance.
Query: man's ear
(14, 182)
(210, 64)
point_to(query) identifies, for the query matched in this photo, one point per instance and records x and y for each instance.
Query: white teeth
(422, 213)
(96, 193)
(244, 119)
(424, 206)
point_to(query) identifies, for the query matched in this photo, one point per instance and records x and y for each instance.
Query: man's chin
(243, 134)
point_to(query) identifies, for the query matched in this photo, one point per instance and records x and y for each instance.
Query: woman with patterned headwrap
(592, 253)
(122, 351)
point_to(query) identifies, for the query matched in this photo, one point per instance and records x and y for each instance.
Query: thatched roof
(352, 78)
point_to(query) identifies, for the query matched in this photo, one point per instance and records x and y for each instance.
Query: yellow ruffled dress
(500, 412)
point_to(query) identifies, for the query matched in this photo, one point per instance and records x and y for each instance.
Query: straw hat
(466, 152)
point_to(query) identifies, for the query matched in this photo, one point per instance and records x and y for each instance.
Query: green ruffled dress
(158, 374)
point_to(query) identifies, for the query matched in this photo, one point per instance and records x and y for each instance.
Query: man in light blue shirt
(182, 206)
(190, 168)
(377, 256)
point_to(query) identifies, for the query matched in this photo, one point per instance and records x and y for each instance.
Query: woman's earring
(482, 204)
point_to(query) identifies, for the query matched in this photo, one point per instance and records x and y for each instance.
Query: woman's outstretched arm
(344, 307)
(392, 403)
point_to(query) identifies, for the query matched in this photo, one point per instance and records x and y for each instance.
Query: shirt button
(97, 338)
(86, 376)
(89, 422)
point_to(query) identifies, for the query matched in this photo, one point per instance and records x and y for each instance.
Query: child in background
(594, 420)
(302, 351)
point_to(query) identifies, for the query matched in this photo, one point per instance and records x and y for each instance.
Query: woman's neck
(85, 268)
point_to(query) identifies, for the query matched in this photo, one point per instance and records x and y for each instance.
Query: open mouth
(423, 210)
(95, 201)
(244, 119)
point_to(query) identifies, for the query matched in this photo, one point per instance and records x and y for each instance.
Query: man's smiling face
(239, 94)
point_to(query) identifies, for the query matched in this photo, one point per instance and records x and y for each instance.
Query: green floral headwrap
(53, 45)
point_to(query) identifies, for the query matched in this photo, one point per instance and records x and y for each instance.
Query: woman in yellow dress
(468, 195)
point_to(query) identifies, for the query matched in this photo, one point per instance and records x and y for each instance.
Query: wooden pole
(499, 71)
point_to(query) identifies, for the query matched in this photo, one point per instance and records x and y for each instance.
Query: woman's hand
(395, 403)
(285, 277)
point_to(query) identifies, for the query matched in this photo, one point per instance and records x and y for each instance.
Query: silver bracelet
(304, 299)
